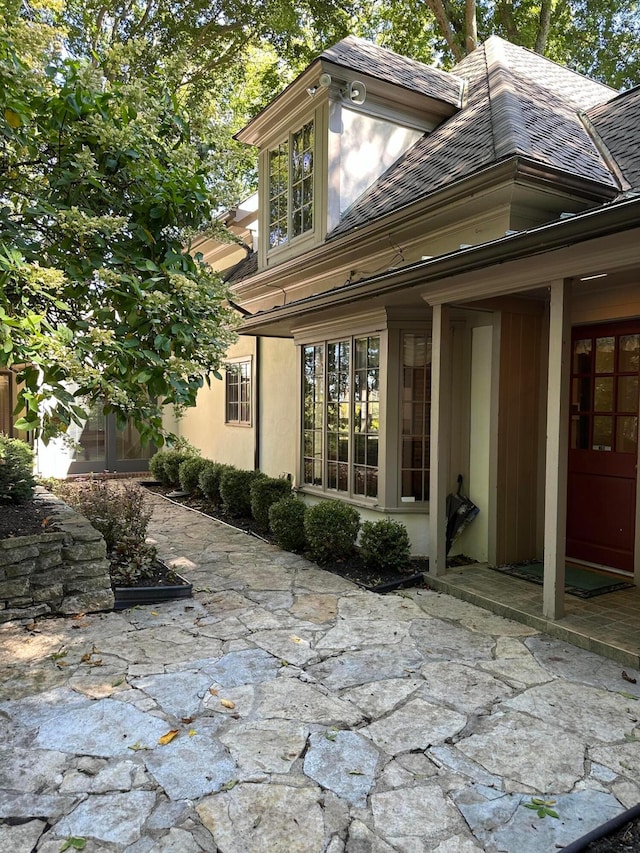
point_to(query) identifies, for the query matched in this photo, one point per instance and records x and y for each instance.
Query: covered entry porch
(608, 624)
(537, 420)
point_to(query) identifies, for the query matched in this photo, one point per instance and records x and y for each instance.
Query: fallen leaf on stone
(117, 683)
(213, 691)
(227, 703)
(75, 842)
(138, 746)
(94, 650)
(187, 719)
(257, 821)
(192, 732)
(229, 785)
(295, 639)
(168, 737)
(356, 773)
(61, 663)
(629, 678)
(154, 613)
(86, 657)
(330, 735)
(284, 663)
(97, 662)
(628, 695)
(59, 655)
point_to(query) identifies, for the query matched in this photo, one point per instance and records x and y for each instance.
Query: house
(441, 277)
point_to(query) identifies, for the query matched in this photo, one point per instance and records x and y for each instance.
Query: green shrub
(173, 461)
(264, 492)
(235, 485)
(384, 545)
(165, 465)
(189, 473)
(121, 513)
(209, 481)
(331, 528)
(156, 466)
(16, 470)
(286, 520)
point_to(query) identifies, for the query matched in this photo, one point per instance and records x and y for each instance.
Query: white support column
(555, 505)
(440, 439)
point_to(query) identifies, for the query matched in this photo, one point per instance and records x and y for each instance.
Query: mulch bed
(625, 840)
(23, 519)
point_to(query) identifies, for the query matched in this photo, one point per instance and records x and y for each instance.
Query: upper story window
(291, 171)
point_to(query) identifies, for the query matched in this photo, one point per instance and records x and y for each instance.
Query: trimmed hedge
(189, 473)
(331, 528)
(264, 492)
(385, 545)
(209, 480)
(235, 485)
(16, 470)
(286, 520)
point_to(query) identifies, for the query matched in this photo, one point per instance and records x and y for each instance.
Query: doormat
(580, 582)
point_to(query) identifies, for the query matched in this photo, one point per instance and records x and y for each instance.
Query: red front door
(603, 444)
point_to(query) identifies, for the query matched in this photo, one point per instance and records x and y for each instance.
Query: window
(291, 187)
(416, 415)
(341, 415)
(238, 392)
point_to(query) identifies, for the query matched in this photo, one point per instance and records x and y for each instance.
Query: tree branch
(471, 26)
(447, 30)
(544, 25)
(505, 13)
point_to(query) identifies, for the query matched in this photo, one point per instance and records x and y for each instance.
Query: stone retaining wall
(62, 571)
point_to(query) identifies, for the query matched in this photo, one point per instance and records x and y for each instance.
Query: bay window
(415, 416)
(341, 415)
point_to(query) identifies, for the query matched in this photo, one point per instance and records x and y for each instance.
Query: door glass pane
(602, 433)
(581, 394)
(91, 444)
(580, 432)
(603, 396)
(627, 434)
(629, 353)
(129, 446)
(627, 393)
(605, 350)
(582, 356)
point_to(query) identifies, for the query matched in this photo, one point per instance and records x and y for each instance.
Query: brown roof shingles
(519, 104)
(364, 57)
(617, 123)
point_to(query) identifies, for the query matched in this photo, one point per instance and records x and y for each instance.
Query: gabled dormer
(333, 132)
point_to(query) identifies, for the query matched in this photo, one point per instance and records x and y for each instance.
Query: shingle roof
(519, 104)
(246, 267)
(618, 126)
(364, 57)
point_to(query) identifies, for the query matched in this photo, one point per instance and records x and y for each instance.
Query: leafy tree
(99, 299)
(600, 38)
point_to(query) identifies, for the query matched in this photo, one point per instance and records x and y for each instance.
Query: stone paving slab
(308, 716)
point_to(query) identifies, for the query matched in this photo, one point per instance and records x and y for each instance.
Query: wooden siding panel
(518, 437)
